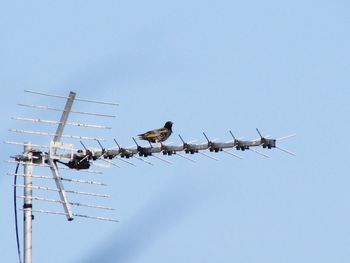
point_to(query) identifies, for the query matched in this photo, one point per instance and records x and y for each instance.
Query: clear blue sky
(207, 66)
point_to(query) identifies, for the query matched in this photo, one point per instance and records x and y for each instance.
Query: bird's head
(168, 125)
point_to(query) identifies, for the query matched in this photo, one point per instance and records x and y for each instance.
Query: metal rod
(227, 152)
(62, 192)
(77, 215)
(53, 166)
(259, 153)
(67, 191)
(285, 137)
(286, 151)
(210, 157)
(159, 158)
(110, 162)
(125, 161)
(72, 203)
(57, 122)
(61, 178)
(187, 158)
(23, 144)
(138, 158)
(63, 97)
(55, 109)
(55, 134)
(27, 208)
(64, 118)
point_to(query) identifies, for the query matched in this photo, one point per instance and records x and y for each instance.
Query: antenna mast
(27, 205)
(28, 189)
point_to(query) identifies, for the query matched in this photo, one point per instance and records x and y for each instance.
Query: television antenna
(58, 151)
(59, 155)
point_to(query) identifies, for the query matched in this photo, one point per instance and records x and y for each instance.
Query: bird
(157, 135)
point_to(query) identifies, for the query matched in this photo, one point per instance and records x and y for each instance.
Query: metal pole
(27, 206)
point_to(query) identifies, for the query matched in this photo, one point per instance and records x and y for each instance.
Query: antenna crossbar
(54, 134)
(58, 190)
(55, 109)
(57, 122)
(24, 144)
(77, 215)
(37, 198)
(77, 99)
(61, 178)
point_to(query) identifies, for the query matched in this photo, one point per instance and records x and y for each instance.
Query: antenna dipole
(27, 205)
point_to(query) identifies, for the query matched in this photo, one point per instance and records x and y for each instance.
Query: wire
(15, 208)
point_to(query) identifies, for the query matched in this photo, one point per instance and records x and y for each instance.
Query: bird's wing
(151, 134)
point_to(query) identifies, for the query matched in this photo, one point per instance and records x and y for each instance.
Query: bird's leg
(161, 145)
